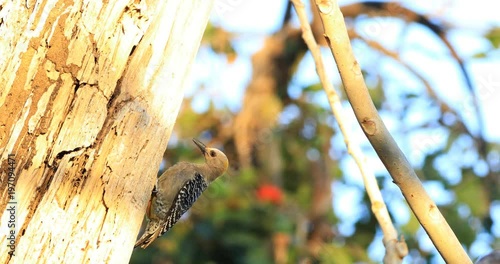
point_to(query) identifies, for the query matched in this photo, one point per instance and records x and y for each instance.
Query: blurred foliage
(494, 37)
(282, 205)
(219, 41)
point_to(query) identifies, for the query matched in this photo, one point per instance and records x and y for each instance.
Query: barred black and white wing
(185, 198)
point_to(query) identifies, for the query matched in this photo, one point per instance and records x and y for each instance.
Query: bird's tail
(152, 232)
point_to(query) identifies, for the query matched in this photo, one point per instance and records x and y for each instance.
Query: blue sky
(227, 81)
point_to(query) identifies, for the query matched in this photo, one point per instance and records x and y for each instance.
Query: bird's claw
(154, 191)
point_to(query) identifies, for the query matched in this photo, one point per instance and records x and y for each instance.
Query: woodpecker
(177, 189)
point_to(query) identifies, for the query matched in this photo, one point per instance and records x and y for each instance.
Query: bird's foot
(154, 191)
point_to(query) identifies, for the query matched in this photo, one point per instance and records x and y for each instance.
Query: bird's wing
(184, 199)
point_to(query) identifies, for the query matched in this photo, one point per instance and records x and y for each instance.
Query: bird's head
(214, 158)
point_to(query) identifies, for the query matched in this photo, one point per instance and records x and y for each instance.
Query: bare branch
(388, 151)
(377, 203)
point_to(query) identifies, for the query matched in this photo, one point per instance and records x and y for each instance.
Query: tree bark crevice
(88, 119)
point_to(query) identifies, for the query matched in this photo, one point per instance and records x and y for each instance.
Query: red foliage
(270, 193)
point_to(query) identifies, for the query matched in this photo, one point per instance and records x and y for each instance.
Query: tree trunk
(89, 94)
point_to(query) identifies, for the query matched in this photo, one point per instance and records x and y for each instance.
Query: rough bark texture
(89, 93)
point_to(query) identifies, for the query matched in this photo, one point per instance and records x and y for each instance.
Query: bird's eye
(213, 154)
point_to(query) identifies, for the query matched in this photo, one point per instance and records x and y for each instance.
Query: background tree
(293, 193)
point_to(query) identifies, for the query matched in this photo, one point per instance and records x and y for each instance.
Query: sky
(225, 83)
(471, 20)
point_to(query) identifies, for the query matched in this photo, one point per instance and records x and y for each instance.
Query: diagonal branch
(388, 151)
(479, 141)
(393, 255)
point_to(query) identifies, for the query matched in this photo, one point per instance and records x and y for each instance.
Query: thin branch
(395, 9)
(393, 255)
(430, 91)
(388, 151)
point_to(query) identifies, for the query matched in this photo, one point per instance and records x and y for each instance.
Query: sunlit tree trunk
(89, 93)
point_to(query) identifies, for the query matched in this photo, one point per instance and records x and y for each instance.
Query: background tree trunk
(89, 95)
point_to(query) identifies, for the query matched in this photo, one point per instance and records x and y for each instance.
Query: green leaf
(313, 88)
(472, 192)
(428, 170)
(460, 226)
(494, 37)
(412, 226)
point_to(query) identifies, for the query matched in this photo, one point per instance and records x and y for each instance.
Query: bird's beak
(200, 145)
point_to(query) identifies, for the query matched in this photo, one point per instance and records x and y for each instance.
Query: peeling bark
(89, 93)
